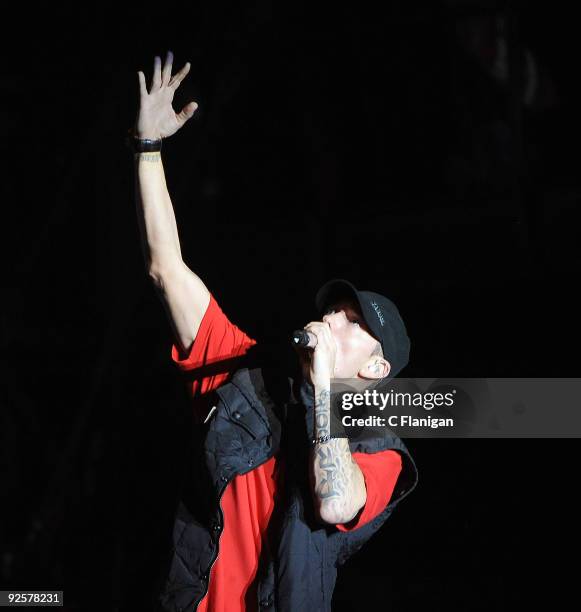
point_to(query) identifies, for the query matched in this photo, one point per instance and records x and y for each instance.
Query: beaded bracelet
(325, 438)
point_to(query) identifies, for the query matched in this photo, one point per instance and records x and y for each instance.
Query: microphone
(304, 339)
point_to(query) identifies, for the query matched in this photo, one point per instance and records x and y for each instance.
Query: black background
(336, 141)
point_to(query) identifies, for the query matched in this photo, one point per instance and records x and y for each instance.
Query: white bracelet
(325, 438)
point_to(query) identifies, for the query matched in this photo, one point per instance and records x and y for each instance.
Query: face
(352, 335)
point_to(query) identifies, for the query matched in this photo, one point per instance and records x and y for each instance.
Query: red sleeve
(380, 471)
(215, 352)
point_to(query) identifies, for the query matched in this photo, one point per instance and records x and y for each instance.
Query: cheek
(359, 350)
(348, 351)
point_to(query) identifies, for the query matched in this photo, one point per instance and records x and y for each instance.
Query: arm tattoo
(336, 474)
(322, 413)
(333, 464)
(149, 157)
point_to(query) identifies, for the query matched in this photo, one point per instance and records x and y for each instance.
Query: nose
(335, 319)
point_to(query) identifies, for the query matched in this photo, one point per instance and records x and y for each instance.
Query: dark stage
(428, 151)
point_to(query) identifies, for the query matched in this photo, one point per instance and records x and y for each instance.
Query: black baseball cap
(380, 314)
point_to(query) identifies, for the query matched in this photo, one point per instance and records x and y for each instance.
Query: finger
(320, 330)
(312, 324)
(166, 74)
(318, 324)
(187, 112)
(178, 77)
(142, 86)
(156, 80)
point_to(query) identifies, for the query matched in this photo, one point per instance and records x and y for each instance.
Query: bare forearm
(338, 483)
(156, 218)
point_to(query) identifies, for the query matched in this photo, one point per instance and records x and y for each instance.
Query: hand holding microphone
(320, 359)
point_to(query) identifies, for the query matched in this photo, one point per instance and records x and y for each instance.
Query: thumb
(187, 112)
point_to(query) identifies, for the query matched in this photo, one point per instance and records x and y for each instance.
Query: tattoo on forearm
(148, 157)
(334, 469)
(333, 465)
(322, 412)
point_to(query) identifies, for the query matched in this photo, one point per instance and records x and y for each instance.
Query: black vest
(258, 414)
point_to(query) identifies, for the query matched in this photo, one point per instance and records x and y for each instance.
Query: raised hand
(156, 117)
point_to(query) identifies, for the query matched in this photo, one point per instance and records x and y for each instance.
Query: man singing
(276, 499)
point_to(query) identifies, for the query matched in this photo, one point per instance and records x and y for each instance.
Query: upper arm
(185, 298)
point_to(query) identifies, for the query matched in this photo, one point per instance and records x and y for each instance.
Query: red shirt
(247, 502)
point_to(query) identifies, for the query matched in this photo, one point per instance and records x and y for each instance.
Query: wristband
(142, 145)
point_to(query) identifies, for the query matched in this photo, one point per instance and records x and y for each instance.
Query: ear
(375, 367)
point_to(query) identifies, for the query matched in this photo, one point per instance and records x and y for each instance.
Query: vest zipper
(196, 605)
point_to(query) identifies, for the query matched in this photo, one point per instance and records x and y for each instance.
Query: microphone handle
(304, 339)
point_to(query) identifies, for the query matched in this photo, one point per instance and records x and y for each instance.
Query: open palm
(156, 117)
